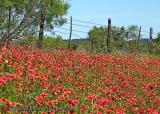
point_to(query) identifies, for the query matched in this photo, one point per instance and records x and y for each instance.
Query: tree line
(123, 39)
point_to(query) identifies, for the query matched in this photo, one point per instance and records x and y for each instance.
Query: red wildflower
(104, 101)
(73, 102)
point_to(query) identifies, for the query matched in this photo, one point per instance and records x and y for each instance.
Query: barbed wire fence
(74, 23)
(77, 33)
(94, 24)
(89, 25)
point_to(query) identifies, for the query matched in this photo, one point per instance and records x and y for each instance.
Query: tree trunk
(5, 39)
(9, 22)
(41, 31)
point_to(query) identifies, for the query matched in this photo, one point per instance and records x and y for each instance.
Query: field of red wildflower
(77, 82)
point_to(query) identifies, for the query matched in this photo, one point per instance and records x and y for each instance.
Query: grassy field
(62, 81)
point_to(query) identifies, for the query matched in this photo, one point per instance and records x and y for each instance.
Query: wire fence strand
(83, 24)
(72, 30)
(68, 33)
(86, 22)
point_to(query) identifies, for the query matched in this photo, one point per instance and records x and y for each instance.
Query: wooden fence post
(150, 40)
(108, 35)
(70, 35)
(139, 36)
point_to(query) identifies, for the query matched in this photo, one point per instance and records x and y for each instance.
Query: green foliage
(54, 12)
(126, 39)
(79, 44)
(156, 45)
(6, 68)
(158, 39)
(20, 16)
(97, 37)
(132, 32)
(16, 16)
(97, 33)
(54, 42)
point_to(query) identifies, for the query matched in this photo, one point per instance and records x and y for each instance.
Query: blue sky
(144, 13)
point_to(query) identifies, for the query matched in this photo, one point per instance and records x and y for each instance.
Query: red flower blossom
(73, 102)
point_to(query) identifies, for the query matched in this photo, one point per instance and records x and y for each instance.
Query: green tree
(96, 37)
(30, 16)
(118, 38)
(51, 13)
(157, 44)
(16, 15)
(132, 32)
(54, 42)
(158, 39)
(132, 38)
